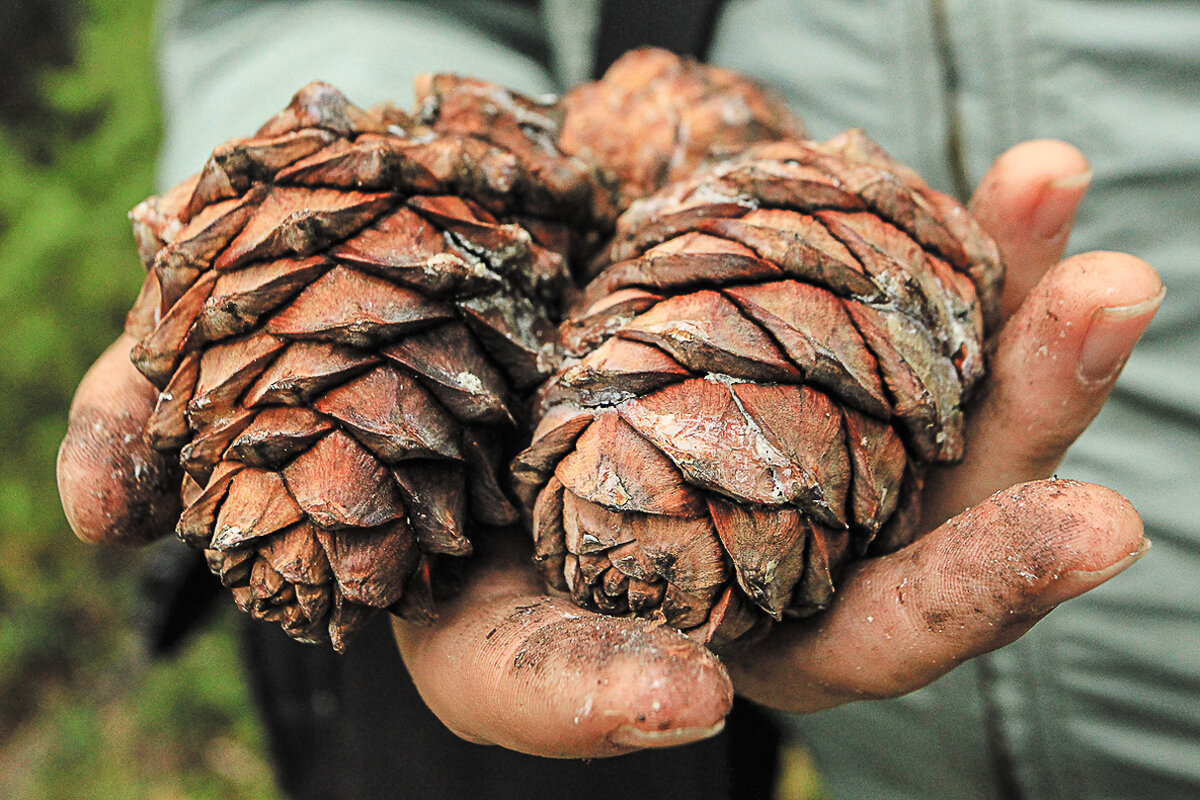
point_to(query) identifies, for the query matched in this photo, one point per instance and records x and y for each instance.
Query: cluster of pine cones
(704, 360)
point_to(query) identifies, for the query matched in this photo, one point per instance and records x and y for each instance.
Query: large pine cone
(343, 314)
(774, 351)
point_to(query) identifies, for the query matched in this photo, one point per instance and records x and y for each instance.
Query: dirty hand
(505, 664)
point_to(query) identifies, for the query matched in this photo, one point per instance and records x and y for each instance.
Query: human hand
(505, 664)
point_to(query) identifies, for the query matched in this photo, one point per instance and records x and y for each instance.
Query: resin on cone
(772, 353)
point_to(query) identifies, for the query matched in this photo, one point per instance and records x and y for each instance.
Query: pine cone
(343, 314)
(774, 351)
(347, 312)
(654, 117)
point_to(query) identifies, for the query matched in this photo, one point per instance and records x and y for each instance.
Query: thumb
(507, 665)
(115, 488)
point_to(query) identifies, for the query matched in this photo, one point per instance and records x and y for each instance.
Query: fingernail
(1111, 335)
(1080, 180)
(630, 736)
(1075, 582)
(1055, 214)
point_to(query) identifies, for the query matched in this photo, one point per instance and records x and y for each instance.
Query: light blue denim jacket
(1102, 698)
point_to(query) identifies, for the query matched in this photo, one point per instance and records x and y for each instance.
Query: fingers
(1027, 203)
(506, 665)
(975, 584)
(115, 488)
(1056, 361)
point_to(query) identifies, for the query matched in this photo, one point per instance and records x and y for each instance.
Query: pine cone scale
(167, 427)
(371, 565)
(755, 539)
(514, 334)
(711, 437)
(635, 477)
(805, 250)
(294, 221)
(348, 307)
(235, 165)
(678, 271)
(704, 331)
(239, 299)
(226, 370)
(340, 484)
(804, 429)
(256, 504)
(436, 500)
(392, 415)
(158, 354)
(304, 370)
(400, 247)
(817, 334)
(460, 374)
(200, 513)
(201, 455)
(194, 247)
(271, 437)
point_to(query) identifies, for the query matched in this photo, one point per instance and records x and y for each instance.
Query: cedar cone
(346, 314)
(773, 352)
(343, 314)
(654, 117)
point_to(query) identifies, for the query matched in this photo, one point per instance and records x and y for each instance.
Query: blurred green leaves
(69, 266)
(68, 271)
(82, 711)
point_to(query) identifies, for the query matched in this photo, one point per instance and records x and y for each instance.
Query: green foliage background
(84, 712)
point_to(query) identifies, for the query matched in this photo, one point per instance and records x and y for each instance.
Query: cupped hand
(1001, 551)
(506, 664)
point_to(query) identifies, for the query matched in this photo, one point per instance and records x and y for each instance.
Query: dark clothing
(353, 726)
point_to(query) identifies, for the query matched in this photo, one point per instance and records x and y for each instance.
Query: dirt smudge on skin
(1003, 584)
(589, 641)
(117, 489)
(560, 636)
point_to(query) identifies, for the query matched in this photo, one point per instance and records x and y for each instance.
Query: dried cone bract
(773, 352)
(342, 314)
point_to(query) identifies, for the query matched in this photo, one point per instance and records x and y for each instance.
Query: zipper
(999, 747)
(955, 147)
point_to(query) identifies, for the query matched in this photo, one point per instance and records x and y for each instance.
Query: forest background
(85, 710)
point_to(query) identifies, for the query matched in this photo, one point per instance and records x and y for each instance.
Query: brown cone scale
(770, 355)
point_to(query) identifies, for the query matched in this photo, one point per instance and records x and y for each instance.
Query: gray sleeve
(227, 65)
